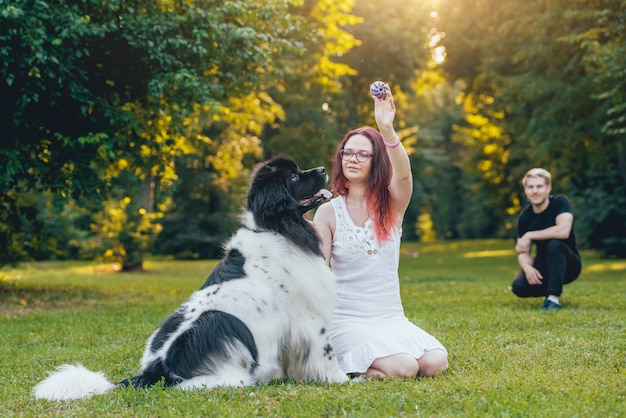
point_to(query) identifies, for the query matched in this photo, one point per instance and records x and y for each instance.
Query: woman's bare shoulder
(324, 214)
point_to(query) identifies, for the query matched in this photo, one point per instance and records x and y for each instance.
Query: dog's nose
(320, 170)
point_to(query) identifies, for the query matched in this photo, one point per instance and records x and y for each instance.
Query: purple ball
(378, 89)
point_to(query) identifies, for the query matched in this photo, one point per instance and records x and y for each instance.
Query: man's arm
(561, 230)
(533, 276)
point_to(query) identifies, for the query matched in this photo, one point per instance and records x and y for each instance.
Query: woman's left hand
(385, 112)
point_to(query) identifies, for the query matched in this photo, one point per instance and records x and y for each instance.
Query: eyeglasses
(361, 156)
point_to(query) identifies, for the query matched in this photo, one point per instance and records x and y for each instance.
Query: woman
(360, 231)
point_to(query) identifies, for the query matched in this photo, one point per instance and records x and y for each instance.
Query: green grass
(507, 358)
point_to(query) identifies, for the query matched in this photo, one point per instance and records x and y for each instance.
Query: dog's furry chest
(276, 275)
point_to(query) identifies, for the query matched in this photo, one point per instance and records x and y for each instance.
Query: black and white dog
(263, 313)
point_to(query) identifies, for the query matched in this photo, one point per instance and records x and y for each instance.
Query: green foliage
(604, 49)
(95, 89)
(441, 178)
(173, 103)
(123, 234)
(543, 81)
(393, 45)
(201, 216)
(311, 91)
(507, 358)
(603, 224)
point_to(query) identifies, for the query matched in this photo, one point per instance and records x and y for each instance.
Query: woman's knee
(397, 365)
(432, 362)
(374, 373)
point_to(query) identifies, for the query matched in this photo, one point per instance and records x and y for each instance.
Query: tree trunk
(133, 260)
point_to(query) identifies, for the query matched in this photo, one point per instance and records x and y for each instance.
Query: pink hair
(378, 197)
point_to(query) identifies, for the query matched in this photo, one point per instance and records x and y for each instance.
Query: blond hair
(536, 173)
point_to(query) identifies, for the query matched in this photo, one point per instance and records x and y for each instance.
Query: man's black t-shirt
(531, 221)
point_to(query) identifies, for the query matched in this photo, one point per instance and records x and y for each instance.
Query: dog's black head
(280, 194)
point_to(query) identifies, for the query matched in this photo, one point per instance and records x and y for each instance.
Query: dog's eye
(295, 177)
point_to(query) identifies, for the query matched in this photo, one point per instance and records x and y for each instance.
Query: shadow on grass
(21, 300)
(440, 279)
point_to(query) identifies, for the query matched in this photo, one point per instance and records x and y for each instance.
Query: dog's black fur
(279, 196)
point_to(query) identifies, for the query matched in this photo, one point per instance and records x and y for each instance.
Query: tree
(398, 46)
(603, 43)
(88, 85)
(311, 89)
(526, 58)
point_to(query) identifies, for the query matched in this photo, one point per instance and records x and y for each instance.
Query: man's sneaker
(549, 305)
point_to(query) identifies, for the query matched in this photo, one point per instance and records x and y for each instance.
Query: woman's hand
(385, 113)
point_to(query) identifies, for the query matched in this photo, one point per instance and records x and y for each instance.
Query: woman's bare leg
(398, 365)
(405, 365)
(432, 362)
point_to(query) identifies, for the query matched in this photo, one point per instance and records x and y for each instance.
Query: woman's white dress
(369, 320)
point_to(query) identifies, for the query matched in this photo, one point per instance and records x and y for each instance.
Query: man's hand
(533, 276)
(522, 248)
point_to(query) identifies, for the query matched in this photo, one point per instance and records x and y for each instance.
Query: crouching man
(548, 222)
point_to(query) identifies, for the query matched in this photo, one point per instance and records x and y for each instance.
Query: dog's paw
(337, 377)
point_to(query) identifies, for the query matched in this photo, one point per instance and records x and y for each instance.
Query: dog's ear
(269, 198)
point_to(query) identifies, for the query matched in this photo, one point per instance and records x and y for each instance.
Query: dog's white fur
(73, 382)
(280, 295)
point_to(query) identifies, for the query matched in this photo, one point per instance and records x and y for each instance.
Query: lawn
(507, 358)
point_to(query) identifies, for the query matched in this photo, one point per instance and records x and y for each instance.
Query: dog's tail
(73, 382)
